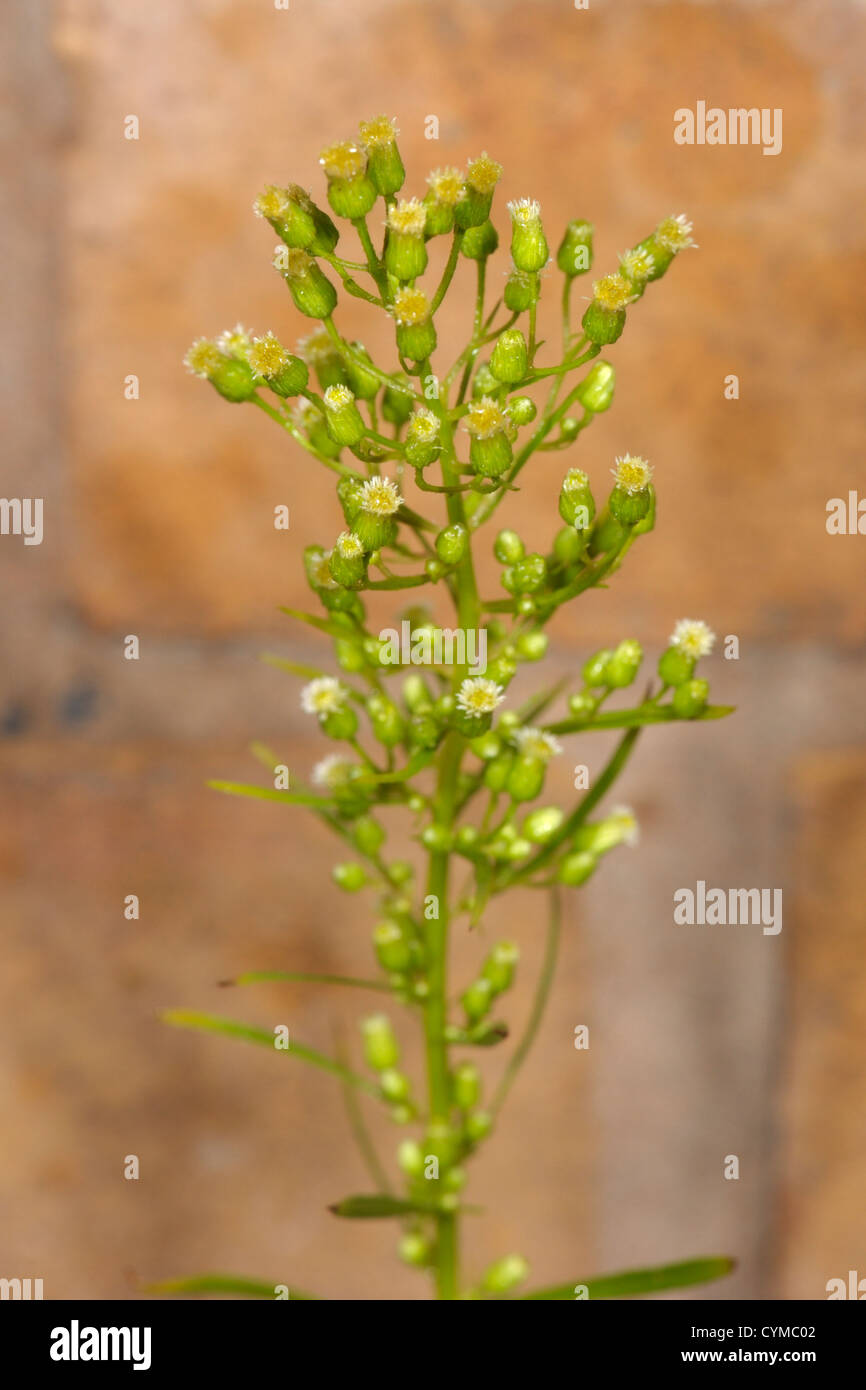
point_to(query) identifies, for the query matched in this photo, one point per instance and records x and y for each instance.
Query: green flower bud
(451, 544)
(395, 1085)
(410, 1157)
(285, 374)
(454, 1180)
(506, 1274)
(595, 392)
(522, 410)
(340, 723)
(595, 670)
(574, 256)
(508, 548)
(415, 1249)
(386, 721)
(364, 384)
(350, 192)
(490, 452)
(416, 335)
(424, 731)
(310, 288)
(690, 697)
(466, 1086)
(486, 746)
(576, 502)
(620, 827)
(384, 165)
(526, 777)
(397, 401)
(467, 839)
(290, 212)
(368, 835)
(568, 546)
(476, 1000)
(607, 535)
(400, 872)
(628, 508)
(405, 251)
(496, 772)
(500, 965)
(440, 217)
(342, 416)
(529, 249)
(521, 291)
(532, 646)
(391, 947)
(675, 666)
(381, 1049)
(539, 826)
(623, 665)
(527, 576)
(510, 359)
(484, 383)
(473, 206)
(582, 706)
(575, 869)
(437, 838)
(375, 524)
(569, 427)
(479, 242)
(351, 876)
(233, 379)
(416, 696)
(478, 1126)
(348, 563)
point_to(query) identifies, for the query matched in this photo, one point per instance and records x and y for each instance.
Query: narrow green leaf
(321, 624)
(269, 794)
(638, 1281)
(265, 755)
(377, 1206)
(258, 977)
(228, 1283)
(419, 760)
(294, 668)
(245, 1032)
(635, 718)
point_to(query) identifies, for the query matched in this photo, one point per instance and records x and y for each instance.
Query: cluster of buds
(441, 740)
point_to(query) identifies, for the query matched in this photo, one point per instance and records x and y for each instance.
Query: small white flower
(204, 358)
(675, 233)
(410, 306)
(535, 743)
(625, 821)
(323, 696)
(524, 211)
(234, 342)
(486, 418)
(338, 397)
(423, 426)
(632, 474)
(575, 480)
(333, 771)
(408, 217)
(267, 356)
(349, 546)
(446, 185)
(483, 173)
(637, 265)
(693, 637)
(478, 696)
(380, 497)
(613, 292)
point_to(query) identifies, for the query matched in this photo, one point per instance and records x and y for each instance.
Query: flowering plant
(443, 741)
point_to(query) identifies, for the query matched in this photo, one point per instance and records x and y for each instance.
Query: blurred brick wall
(158, 522)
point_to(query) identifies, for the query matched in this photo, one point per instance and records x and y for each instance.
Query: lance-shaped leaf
(632, 1282)
(636, 718)
(210, 1023)
(378, 1206)
(270, 794)
(259, 977)
(237, 1284)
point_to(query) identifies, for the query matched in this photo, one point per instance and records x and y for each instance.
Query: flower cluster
(400, 438)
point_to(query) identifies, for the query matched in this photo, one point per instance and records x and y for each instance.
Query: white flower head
(483, 173)
(267, 356)
(332, 771)
(486, 418)
(323, 696)
(693, 638)
(478, 696)
(380, 497)
(613, 292)
(624, 820)
(348, 545)
(408, 217)
(423, 426)
(525, 212)
(632, 474)
(575, 480)
(234, 342)
(446, 185)
(338, 397)
(378, 133)
(410, 306)
(535, 743)
(203, 358)
(675, 233)
(637, 265)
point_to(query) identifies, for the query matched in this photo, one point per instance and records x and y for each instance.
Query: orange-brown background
(158, 522)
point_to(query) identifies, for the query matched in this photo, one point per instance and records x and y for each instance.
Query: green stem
(448, 273)
(542, 993)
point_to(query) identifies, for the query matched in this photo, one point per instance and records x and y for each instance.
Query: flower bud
(529, 250)
(623, 665)
(351, 192)
(631, 499)
(342, 416)
(479, 242)
(466, 1086)
(451, 544)
(576, 868)
(340, 724)
(574, 256)
(386, 721)
(233, 379)
(437, 838)
(496, 772)
(391, 947)
(285, 374)
(604, 319)
(595, 392)
(395, 1085)
(348, 563)
(527, 576)
(568, 546)
(467, 840)
(415, 1249)
(521, 291)
(595, 670)
(500, 965)
(397, 401)
(381, 1048)
(478, 1125)
(510, 360)
(508, 548)
(445, 191)
(490, 452)
(671, 236)
(675, 666)
(405, 251)
(384, 165)
(410, 1157)
(289, 212)
(484, 383)
(311, 290)
(522, 410)
(416, 696)
(400, 872)
(351, 877)
(476, 198)
(368, 834)
(416, 334)
(374, 524)
(476, 1000)
(422, 438)
(506, 1274)
(364, 384)
(539, 826)
(690, 697)
(532, 646)
(424, 731)
(576, 502)
(526, 777)
(619, 828)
